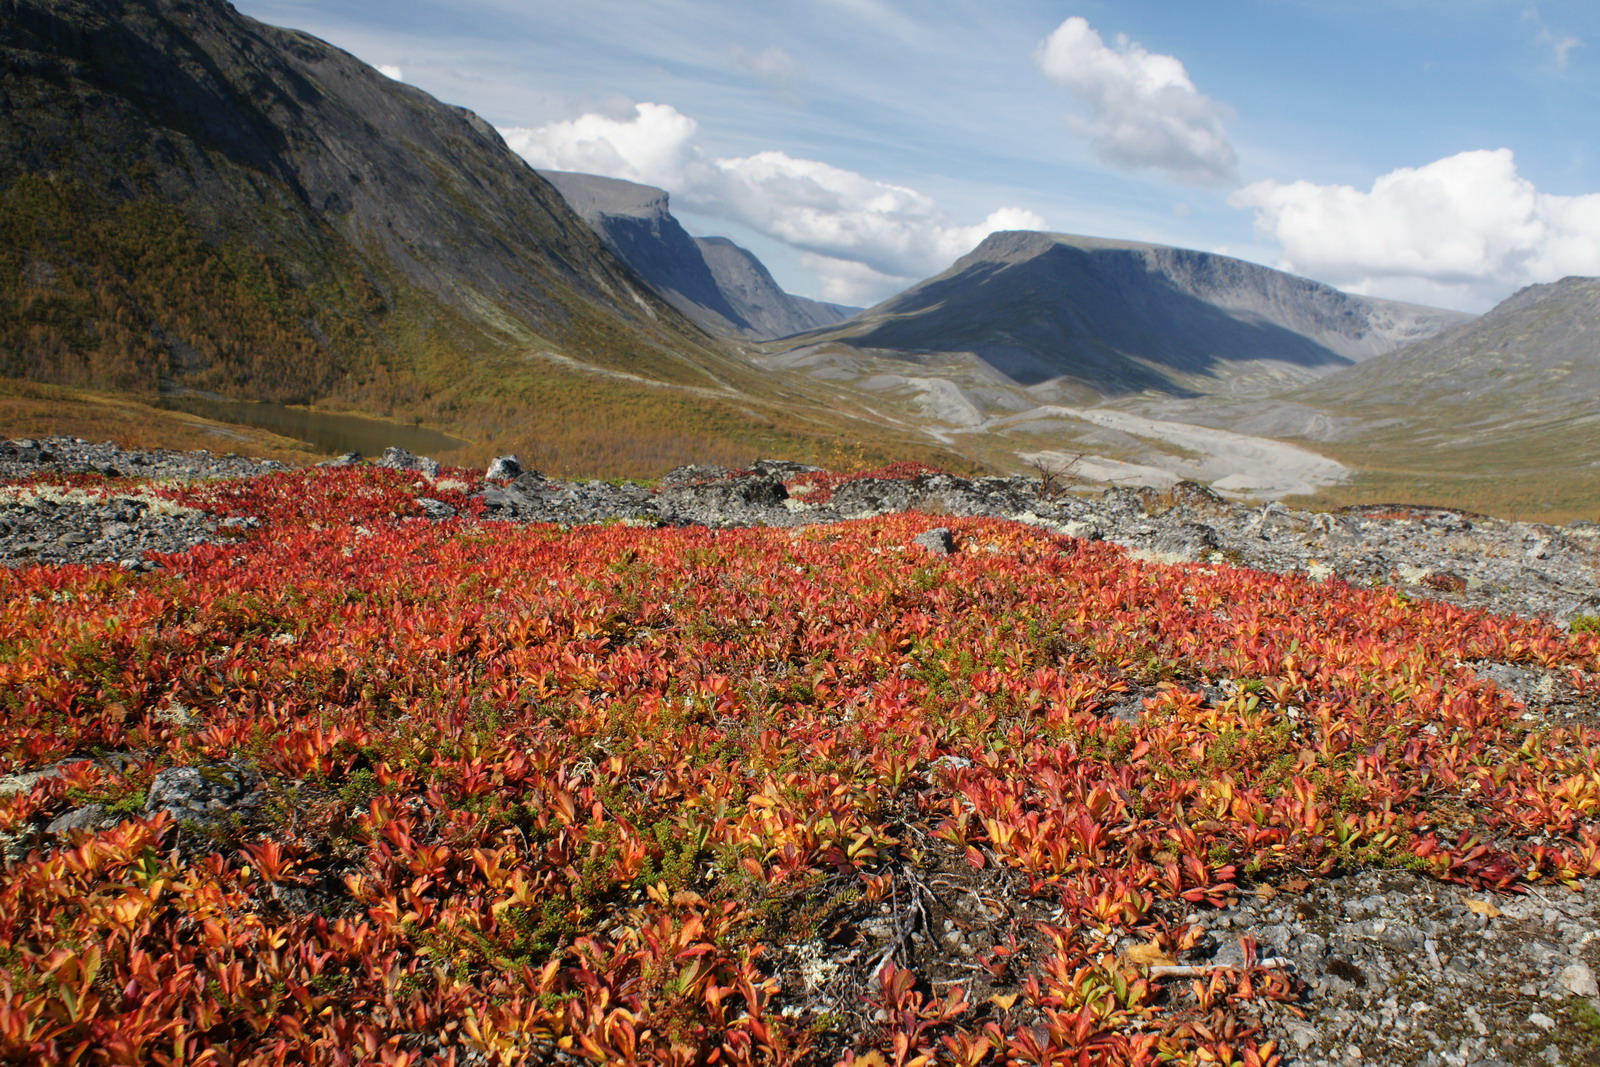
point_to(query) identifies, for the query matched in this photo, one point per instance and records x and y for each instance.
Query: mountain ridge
(244, 127)
(1120, 317)
(192, 200)
(716, 283)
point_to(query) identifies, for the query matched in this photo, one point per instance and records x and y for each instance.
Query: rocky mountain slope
(1087, 317)
(286, 163)
(1539, 348)
(192, 200)
(1507, 405)
(719, 285)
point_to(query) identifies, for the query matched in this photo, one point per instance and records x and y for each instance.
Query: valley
(451, 613)
(572, 317)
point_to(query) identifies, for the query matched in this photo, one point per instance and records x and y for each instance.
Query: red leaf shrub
(529, 789)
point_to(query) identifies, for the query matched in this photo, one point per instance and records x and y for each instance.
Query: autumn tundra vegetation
(517, 794)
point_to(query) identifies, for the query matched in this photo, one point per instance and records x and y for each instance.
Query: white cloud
(1560, 44)
(1464, 230)
(1561, 50)
(1143, 109)
(654, 146)
(888, 233)
(391, 71)
(845, 281)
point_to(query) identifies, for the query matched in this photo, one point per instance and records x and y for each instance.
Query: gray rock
(398, 459)
(86, 817)
(724, 501)
(782, 468)
(1189, 540)
(1578, 979)
(503, 468)
(435, 509)
(202, 793)
(347, 459)
(874, 496)
(939, 540)
(696, 473)
(69, 455)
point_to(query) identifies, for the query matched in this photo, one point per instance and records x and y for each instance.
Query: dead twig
(1201, 970)
(1053, 470)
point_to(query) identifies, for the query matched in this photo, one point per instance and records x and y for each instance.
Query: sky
(1445, 152)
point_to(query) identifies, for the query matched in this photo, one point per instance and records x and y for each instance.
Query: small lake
(324, 431)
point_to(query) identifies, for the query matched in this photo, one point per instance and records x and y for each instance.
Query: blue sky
(1444, 152)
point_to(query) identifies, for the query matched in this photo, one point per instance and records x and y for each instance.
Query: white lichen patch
(61, 496)
(175, 713)
(815, 965)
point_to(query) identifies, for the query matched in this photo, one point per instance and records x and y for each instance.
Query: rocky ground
(112, 518)
(1395, 968)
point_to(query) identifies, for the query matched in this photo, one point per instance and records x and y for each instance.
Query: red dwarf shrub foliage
(816, 487)
(530, 790)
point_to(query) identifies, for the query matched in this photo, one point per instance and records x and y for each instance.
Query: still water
(324, 431)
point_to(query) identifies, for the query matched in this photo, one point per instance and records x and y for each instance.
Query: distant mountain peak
(1118, 316)
(592, 195)
(713, 281)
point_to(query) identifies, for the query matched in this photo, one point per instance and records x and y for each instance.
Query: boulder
(716, 500)
(1190, 540)
(782, 468)
(202, 793)
(398, 459)
(435, 509)
(939, 540)
(504, 468)
(873, 496)
(695, 474)
(86, 817)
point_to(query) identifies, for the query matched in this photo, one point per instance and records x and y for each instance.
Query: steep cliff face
(744, 281)
(195, 199)
(713, 281)
(1121, 316)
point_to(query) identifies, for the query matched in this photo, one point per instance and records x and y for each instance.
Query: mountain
(770, 311)
(1537, 352)
(713, 281)
(1100, 318)
(1502, 412)
(191, 200)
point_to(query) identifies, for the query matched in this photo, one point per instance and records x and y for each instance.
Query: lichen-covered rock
(727, 501)
(695, 473)
(437, 510)
(939, 540)
(84, 817)
(202, 793)
(398, 459)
